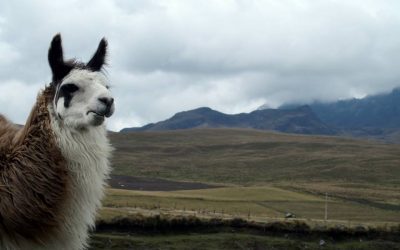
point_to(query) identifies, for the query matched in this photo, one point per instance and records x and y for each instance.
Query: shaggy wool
(33, 176)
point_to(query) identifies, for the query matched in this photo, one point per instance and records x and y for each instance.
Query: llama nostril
(106, 101)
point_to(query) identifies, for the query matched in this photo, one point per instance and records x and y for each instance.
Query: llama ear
(99, 57)
(56, 59)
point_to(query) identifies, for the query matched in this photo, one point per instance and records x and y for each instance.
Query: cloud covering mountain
(233, 56)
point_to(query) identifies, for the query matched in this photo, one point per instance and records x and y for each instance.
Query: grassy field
(361, 171)
(378, 196)
(249, 157)
(264, 176)
(263, 204)
(255, 203)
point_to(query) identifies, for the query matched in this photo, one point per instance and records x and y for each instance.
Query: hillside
(234, 156)
(299, 120)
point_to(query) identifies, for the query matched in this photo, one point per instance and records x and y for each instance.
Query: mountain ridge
(373, 117)
(379, 111)
(300, 120)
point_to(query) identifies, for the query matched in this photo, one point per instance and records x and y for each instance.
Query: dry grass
(249, 157)
(284, 173)
(369, 191)
(257, 203)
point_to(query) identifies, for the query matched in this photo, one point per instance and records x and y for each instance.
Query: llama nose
(106, 101)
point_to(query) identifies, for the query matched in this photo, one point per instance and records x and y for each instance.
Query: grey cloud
(169, 56)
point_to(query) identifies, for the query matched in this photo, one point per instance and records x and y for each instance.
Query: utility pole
(326, 206)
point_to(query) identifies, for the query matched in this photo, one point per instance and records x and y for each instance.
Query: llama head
(82, 97)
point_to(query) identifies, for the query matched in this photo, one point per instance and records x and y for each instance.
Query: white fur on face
(84, 107)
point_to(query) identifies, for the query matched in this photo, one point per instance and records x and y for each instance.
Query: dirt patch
(153, 184)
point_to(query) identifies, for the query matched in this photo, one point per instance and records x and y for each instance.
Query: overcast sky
(232, 56)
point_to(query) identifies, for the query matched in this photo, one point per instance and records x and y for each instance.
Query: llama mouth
(97, 118)
(97, 114)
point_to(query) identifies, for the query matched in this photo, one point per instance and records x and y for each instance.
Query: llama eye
(70, 88)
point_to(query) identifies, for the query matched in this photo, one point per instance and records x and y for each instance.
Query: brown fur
(33, 175)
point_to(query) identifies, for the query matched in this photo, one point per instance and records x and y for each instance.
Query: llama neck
(84, 148)
(87, 154)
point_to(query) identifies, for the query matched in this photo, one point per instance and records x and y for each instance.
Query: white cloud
(169, 56)
(16, 99)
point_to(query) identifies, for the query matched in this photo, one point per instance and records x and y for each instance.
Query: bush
(173, 224)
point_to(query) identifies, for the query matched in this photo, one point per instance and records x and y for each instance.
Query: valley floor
(259, 203)
(167, 180)
(153, 214)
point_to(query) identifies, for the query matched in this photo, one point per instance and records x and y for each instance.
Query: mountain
(378, 111)
(299, 120)
(375, 117)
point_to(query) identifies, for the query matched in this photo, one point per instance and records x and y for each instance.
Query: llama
(53, 170)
